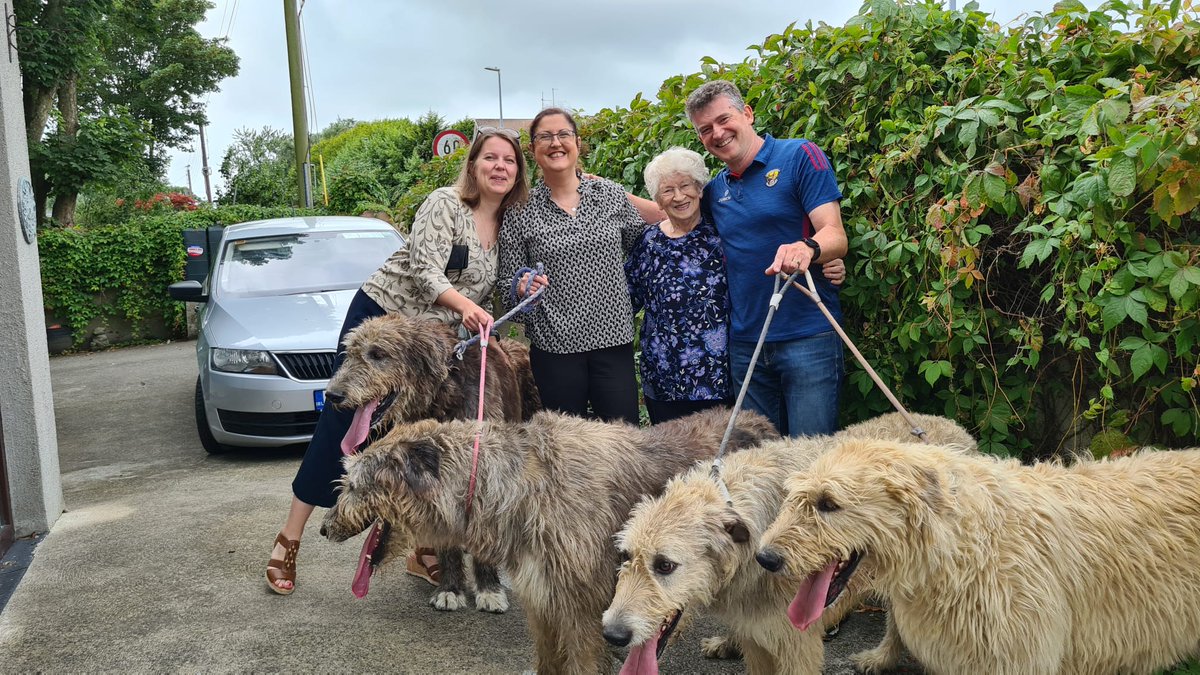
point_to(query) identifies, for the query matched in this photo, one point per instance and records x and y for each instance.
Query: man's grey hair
(687, 163)
(708, 92)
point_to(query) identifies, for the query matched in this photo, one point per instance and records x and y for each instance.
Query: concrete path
(157, 566)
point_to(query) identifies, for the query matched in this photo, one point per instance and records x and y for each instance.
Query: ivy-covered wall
(120, 272)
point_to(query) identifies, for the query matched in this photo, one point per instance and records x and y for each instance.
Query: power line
(232, 18)
(224, 13)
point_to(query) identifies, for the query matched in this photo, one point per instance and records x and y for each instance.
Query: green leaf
(1113, 111)
(1116, 309)
(1038, 250)
(1181, 420)
(934, 370)
(988, 117)
(994, 186)
(968, 131)
(1083, 93)
(1141, 361)
(1122, 176)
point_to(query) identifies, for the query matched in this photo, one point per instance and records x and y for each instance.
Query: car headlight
(254, 361)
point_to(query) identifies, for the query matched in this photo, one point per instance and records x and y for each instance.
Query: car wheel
(207, 440)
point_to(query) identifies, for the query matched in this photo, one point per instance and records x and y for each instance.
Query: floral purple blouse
(685, 330)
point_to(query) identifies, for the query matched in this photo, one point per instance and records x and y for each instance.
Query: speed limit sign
(445, 143)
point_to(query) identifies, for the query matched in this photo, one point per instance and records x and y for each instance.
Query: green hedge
(1021, 204)
(123, 270)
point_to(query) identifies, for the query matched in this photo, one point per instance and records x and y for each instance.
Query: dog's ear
(422, 466)
(736, 528)
(916, 487)
(369, 471)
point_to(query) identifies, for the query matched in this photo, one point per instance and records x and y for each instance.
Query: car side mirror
(187, 291)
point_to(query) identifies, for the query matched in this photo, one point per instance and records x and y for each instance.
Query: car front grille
(273, 425)
(307, 365)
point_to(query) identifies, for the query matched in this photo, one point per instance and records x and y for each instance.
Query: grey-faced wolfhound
(549, 496)
(398, 369)
(686, 551)
(995, 567)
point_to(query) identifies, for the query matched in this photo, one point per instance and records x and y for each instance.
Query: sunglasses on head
(499, 131)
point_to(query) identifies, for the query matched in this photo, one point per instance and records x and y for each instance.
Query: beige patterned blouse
(412, 279)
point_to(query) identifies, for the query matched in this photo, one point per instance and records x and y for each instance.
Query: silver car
(274, 304)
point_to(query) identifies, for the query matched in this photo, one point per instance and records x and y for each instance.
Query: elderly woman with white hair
(676, 272)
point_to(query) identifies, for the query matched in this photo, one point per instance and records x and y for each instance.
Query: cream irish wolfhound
(398, 369)
(686, 551)
(995, 567)
(549, 496)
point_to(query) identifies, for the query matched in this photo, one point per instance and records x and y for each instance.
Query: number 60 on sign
(447, 142)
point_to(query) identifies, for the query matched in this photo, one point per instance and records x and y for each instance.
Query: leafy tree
(56, 42)
(157, 67)
(107, 84)
(259, 168)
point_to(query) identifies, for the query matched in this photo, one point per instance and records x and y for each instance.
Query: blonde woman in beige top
(426, 279)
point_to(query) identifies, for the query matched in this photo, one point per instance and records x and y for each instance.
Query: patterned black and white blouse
(586, 306)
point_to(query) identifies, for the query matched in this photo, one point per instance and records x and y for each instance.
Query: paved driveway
(157, 565)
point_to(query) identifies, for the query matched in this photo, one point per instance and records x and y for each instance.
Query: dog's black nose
(769, 559)
(334, 398)
(323, 531)
(618, 636)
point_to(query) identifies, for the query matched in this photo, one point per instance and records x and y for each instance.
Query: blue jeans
(796, 383)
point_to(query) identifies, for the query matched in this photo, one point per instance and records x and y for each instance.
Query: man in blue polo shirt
(777, 207)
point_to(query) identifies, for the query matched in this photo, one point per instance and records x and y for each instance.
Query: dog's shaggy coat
(549, 496)
(686, 551)
(995, 567)
(399, 369)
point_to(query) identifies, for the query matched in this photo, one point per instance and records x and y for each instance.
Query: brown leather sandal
(283, 570)
(414, 566)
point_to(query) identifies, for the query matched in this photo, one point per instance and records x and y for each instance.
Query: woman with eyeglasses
(446, 272)
(581, 228)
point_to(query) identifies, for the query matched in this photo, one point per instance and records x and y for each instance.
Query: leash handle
(781, 285)
(523, 306)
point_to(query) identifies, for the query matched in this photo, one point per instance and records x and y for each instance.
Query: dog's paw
(447, 601)
(495, 602)
(873, 661)
(720, 647)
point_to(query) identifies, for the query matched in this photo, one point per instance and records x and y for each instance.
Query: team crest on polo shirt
(772, 177)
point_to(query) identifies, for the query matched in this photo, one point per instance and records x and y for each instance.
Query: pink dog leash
(484, 333)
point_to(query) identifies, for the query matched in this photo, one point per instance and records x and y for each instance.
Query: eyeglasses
(546, 138)
(669, 191)
(498, 131)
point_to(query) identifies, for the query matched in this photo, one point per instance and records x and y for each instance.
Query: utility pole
(204, 168)
(188, 168)
(291, 19)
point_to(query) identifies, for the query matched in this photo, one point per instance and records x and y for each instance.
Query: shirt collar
(762, 157)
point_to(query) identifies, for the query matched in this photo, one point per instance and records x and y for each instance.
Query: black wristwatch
(812, 243)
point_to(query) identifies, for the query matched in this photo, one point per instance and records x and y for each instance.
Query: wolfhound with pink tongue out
(399, 369)
(997, 567)
(687, 551)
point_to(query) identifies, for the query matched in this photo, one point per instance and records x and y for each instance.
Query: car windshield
(302, 263)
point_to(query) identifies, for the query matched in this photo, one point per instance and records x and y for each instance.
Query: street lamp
(499, 92)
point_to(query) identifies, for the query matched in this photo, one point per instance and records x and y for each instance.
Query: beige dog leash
(776, 299)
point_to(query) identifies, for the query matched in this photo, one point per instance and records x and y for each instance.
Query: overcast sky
(376, 59)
